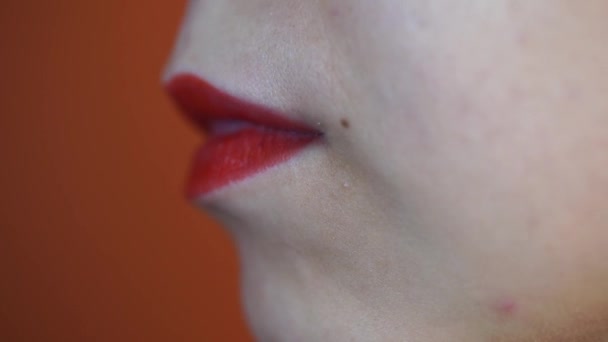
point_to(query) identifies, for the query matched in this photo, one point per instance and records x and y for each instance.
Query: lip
(243, 138)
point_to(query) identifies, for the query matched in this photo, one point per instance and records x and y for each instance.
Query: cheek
(477, 123)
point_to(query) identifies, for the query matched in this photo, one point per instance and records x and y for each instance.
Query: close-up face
(439, 169)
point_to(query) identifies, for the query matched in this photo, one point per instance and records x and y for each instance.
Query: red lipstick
(242, 138)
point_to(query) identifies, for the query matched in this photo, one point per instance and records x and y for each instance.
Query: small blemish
(344, 123)
(523, 39)
(506, 307)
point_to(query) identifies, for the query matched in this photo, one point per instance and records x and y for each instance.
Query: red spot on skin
(506, 307)
(523, 39)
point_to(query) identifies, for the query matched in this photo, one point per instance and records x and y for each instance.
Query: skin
(460, 192)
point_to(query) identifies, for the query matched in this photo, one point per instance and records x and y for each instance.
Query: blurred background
(96, 240)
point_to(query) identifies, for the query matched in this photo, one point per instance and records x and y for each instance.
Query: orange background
(96, 240)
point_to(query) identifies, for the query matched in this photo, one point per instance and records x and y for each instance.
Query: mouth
(243, 138)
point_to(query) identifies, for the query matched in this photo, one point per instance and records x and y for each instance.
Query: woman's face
(460, 190)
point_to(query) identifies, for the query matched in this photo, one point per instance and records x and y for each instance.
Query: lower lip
(232, 157)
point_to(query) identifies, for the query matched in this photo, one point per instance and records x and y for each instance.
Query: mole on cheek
(345, 123)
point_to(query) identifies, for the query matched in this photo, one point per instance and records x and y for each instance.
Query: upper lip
(206, 106)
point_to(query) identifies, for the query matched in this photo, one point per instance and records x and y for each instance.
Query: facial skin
(461, 190)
